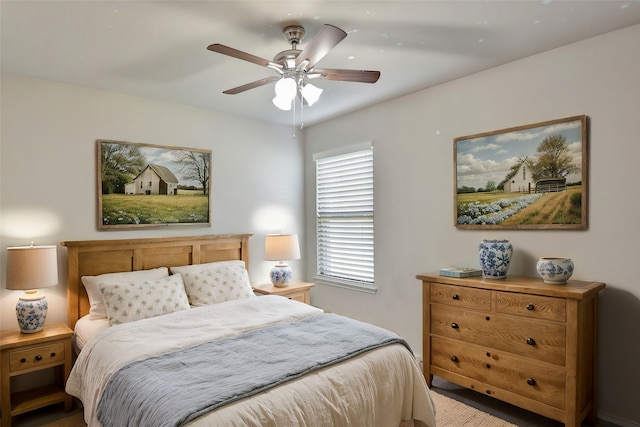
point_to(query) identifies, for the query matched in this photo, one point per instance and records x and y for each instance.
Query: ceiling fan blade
(251, 85)
(235, 53)
(360, 76)
(326, 39)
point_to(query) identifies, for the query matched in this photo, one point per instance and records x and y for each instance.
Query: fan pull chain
(301, 113)
(294, 117)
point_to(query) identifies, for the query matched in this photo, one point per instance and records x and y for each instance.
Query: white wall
(48, 172)
(413, 146)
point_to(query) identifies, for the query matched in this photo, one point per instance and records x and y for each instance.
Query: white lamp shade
(31, 267)
(281, 247)
(311, 93)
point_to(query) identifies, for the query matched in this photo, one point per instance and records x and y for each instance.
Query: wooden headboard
(93, 257)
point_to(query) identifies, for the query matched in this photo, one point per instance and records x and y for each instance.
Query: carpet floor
(451, 413)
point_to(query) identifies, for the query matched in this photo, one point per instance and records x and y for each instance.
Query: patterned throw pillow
(97, 309)
(127, 302)
(215, 282)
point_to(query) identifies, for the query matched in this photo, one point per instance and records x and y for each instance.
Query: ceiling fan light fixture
(286, 88)
(282, 103)
(311, 93)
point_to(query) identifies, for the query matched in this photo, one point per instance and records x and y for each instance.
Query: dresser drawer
(461, 296)
(534, 306)
(544, 382)
(36, 357)
(539, 340)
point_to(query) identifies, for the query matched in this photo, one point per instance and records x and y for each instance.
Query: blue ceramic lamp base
(281, 275)
(31, 311)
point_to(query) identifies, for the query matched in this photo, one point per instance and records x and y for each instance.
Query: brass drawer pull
(455, 325)
(531, 381)
(531, 341)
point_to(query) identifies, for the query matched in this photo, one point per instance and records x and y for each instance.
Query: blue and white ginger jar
(555, 270)
(31, 314)
(495, 256)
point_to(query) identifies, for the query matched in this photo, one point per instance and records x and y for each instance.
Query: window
(344, 215)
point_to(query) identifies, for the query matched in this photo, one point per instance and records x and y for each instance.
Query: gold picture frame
(525, 177)
(146, 185)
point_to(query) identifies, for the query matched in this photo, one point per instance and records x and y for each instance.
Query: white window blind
(344, 213)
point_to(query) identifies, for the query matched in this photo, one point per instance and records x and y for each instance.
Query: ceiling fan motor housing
(293, 34)
(287, 58)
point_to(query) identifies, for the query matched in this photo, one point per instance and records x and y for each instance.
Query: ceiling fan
(296, 67)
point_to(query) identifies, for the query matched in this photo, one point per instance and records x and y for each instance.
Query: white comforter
(380, 388)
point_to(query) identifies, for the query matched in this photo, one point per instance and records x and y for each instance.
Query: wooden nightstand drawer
(461, 296)
(535, 306)
(36, 357)
(299, 296)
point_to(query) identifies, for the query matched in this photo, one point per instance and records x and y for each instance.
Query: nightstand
(298, 291)
(24, 353)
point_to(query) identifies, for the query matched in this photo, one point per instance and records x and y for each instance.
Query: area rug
(75, 420)
(451, 413)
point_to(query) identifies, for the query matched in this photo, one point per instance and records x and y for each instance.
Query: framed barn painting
(143, 185)
(526, 177)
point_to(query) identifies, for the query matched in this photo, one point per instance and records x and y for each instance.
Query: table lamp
(30, 268)
(281, 248)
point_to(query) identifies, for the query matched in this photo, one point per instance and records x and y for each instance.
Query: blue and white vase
(495, 256)
(555, 271)
(31, 312)
(281, 275)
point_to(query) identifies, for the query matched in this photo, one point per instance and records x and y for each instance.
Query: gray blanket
(174, 388)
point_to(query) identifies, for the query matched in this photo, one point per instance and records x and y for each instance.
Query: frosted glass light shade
(282, 103)
(286, 88)
(311, 93)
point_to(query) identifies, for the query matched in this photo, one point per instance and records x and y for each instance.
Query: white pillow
(134, 301)
(215, 282)
(97, 310)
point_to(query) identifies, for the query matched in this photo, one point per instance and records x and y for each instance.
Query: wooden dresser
(519, 340)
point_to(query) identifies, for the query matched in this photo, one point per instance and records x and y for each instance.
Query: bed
(227, 358)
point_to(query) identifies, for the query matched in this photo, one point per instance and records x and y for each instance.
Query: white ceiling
(157, 49)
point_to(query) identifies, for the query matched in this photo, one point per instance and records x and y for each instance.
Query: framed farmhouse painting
(526, 177)
(142, 185)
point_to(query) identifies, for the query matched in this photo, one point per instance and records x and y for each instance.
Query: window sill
(345, 284)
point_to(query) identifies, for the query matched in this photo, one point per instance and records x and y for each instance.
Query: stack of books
(460, 272)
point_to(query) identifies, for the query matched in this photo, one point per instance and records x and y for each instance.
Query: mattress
(382, 387)
(85, 329)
